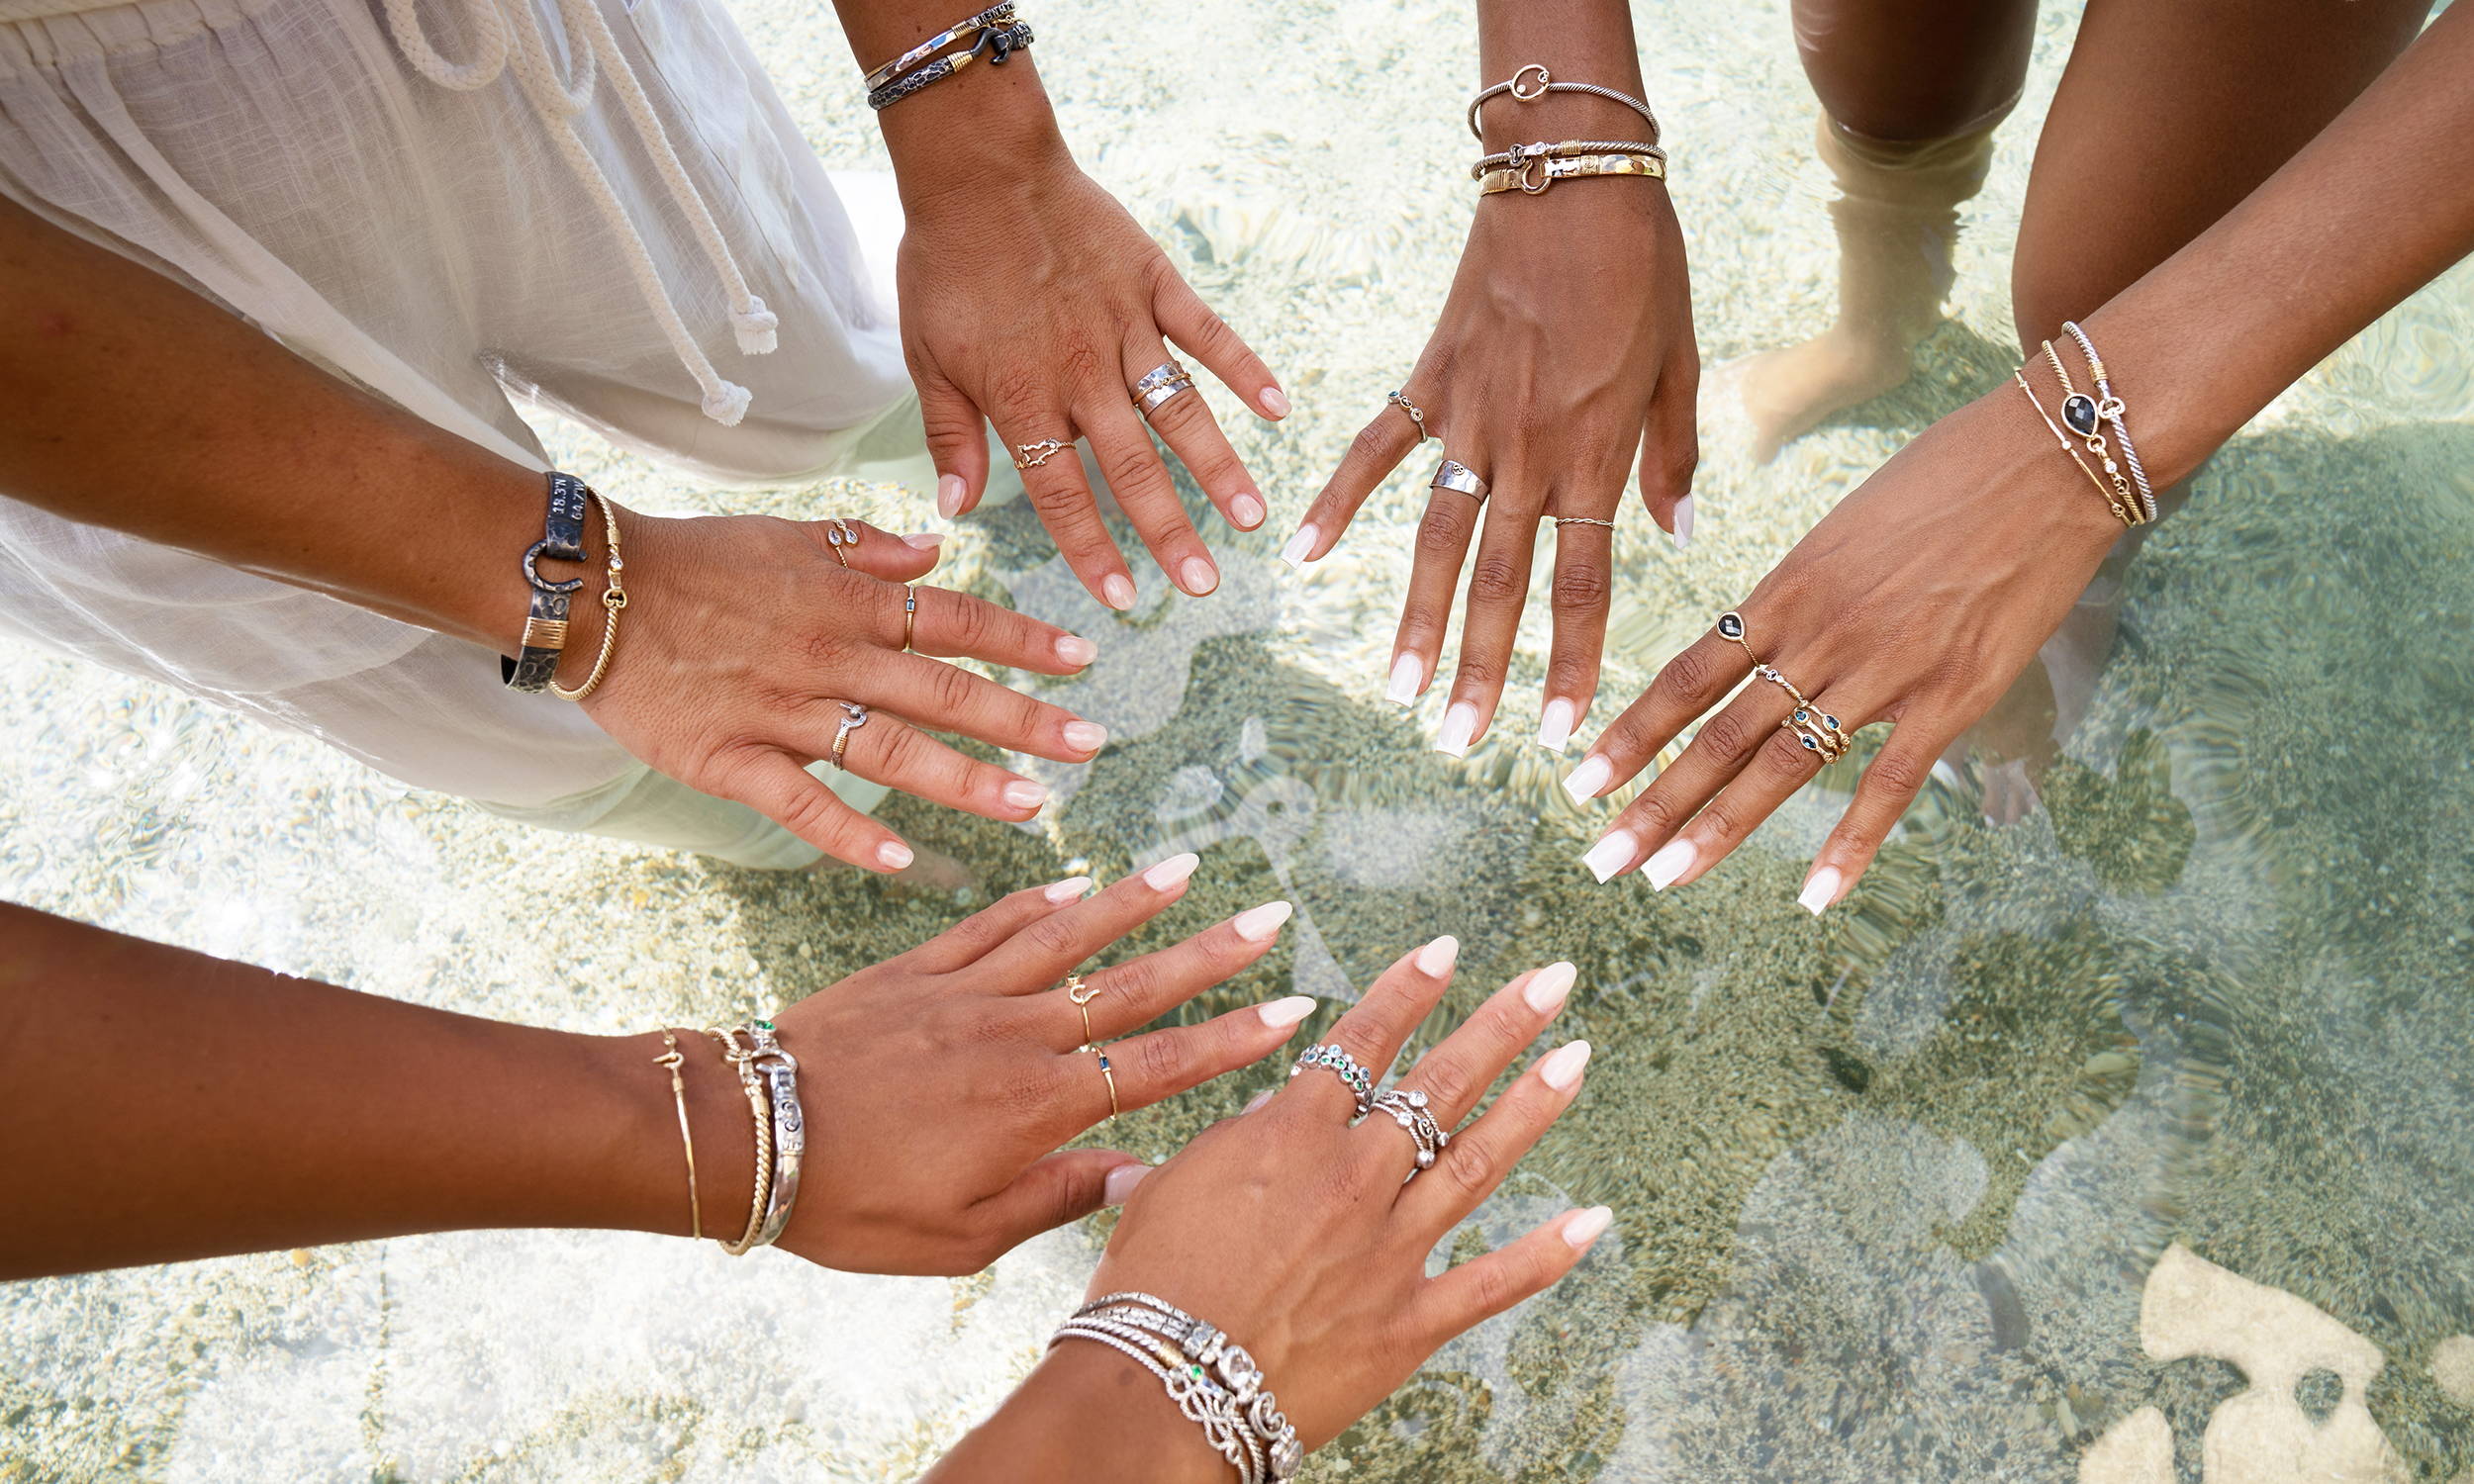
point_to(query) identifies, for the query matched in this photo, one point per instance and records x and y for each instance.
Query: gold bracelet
(743, 1061)
(613, 597)
(671, 1060)
(2094, 438)
(2063, 438)
(1536, 175)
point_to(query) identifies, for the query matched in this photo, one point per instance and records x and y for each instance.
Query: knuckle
(1483, 670)
(1656, 813)
(1495, 578)
(1449, 1082)
(950, 690)
(1438, 538)
(1057, 500)
(1689, 677)
(1726, 735)
(1081, 361)
(1785, 759)
(1470, 1165)
(1053, 937)
(1371, 445)
(1898, 774)
(1162, 1061)
(1580, 588)
(1017, 393)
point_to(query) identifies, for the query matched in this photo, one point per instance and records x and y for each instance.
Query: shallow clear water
(1890, 1186)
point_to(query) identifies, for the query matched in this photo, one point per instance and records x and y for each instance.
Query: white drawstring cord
(558, 101)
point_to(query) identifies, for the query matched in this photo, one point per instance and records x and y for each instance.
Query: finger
(1065, 1187)
(1434, 576)
(1375, 1027)
(1163, 1064)
(1185, 422)
(957, 624)
(1778, 768)
(1686, 687)
(1479, 1156)
(1889, 785)
(1057, 489)
(1671, 449)
(1498, 589)
(1185, 319)
(933, 694)
(1645, 832)
(1373, 454)
(774, 786)
(1128, 995)
(1458, 1072)
(1585, 556)
(1483, 1287)
(957, 440)
(1045, 952)
(887, 750)
(862, 547)
(963, 944)
(1130, 461)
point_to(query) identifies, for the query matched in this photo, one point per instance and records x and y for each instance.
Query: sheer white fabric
(282, 157)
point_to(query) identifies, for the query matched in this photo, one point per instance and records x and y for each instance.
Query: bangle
(670, 1061)
(2123, 514)
(2078, 413)
(1212, 1380)
(1000, 14)
(1533, 177)
(545, 626)
(2112, 410)
(780, 1069)
(613, 597)
(998, 43)
(1546, 84)
(1519, 154)
(742, 1060)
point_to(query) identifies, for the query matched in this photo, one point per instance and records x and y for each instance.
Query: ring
(1155, 398)
(1407, 1108)
(1111, 1076)
(837, 535)
(1416, 414)
(909, 613)
(854, 717)
(1081, 995)
(1458, 477)
(1342, 1065)
(1032, 455)
(1816, 731)
(1563, 520)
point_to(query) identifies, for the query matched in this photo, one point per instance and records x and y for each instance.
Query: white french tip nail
(1436, 958)
(949, 491)
(1170, 872)
(1611, 855)
(892, 855)
(1254, 924)
(1585, 1227)
(1561, 1066)
(1821, 891)
(1295, 553)
(1672, 859)
(1586, 779)
(1555, 724)
(1281, 1015)
(1408, 675)
(1684, 522)
(1550, 987)
(1122, 1181)
(1460, 726)
(1069, 889)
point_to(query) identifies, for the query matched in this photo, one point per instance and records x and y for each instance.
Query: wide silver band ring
(1152, 401)
(1459, 479)
(1159, 376)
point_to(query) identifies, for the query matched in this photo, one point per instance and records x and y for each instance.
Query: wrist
(982, 129)
(645, 1171)
(1087, 1412)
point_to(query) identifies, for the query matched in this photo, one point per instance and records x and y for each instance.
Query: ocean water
(2124, 1143)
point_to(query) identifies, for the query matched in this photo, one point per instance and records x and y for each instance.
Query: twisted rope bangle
(1546, 84)
(2112, 410)
(1520, 155)
(756, 1108)
(613, 597)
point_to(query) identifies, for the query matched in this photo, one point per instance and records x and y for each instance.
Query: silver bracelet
(1546, 84)
(1217, 1372)
(2111, 409)
(1000, 14)
(780, 1069)
(997, 44)
(1202, 1400)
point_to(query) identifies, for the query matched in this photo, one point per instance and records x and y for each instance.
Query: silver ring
(1151, 401)
(854, 717)
(1339, 1064)
(1407, 1106)
(1562, 521)
(1418, 414)
(1459, 479)
(1159, 376)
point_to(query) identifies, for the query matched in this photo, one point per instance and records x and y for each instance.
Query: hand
(1031, 299)
(1917, 601)
(942, 1082)
(1565, 348)
(744, 634)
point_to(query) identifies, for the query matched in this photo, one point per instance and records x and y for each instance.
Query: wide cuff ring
(854, 717)
(841, 538)
(1032, 455)
(1341, 1065)
(1418, 414)
(1407, 1108)
(1458, 477)
(1151, 400)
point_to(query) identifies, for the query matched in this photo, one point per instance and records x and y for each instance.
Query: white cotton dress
(405, 192)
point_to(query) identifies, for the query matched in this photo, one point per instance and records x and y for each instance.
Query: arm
(1563, 360)
(139, 405)
(1923, 594)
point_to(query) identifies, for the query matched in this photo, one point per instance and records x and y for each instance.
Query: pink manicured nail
(1672, 859)
(1611, 855)
(1300, 547)
(1459, 727)
(1281, 1015)
(1023, 793)
(1122, 1181)
(1086, 736)
(1197, 575)
(1821, 891)
(1274, 401)
(1562, 1068)
(1683, 516)
(892, 855)
(1254, 924)
(949, 491)
(1069, 889)
(1585, 1227)
(1550, 987)
(1074, 649)
(1170, 872)
(1259, 1099)
(1436, 958)
(1555, 724)
(1588, 779)
(1246, 510)
(1408, 677)
(1116, 590)
(924, 541)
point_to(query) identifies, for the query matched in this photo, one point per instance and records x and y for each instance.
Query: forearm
(157, 1106)
(1086, 1414)
(2372, 209)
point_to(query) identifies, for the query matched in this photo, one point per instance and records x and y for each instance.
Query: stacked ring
(1459, 478)
(1159, 384)
(1341, 1065)
(1813, 728)
(1407, 1108)
(854, 717)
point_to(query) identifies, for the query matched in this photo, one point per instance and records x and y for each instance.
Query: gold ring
(1105, 1071)
(1813, 728)
(854, 717)
(838, 536)
(909, 613)
(1082, 995)
(1032, 455)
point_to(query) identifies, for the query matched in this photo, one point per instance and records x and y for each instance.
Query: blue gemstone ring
(1340, 1064)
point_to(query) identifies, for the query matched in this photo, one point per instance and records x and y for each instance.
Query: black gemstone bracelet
(545, 628)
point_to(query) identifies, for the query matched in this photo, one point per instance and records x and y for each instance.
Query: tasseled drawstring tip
(755, 325)
(727, 404)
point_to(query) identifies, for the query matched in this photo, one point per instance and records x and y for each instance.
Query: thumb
(957, 440)
(1671, 452)
(1065, 1187)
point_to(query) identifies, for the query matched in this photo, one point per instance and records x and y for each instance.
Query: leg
(1909, 92)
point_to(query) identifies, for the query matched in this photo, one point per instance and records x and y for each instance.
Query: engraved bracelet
(997, 44)
(1000, 14)
(545, 626)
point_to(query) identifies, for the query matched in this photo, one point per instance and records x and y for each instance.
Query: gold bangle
(2119, 513)
(2094, 437)
(1535, 175)
(613, 597)
(742, 1060)
(670, 1061)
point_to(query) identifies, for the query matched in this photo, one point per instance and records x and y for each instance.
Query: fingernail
(1074, 649)
(1254, 924)
(1260, 1098)
(924, 541)
(1086, 736)
(1274, 401)
(1821, 891)
(1684, 522)
(949, 490)
(1550, 987)
(1611, 855)
(1246, 510)
(1197, 575)
(1280, 1014)
(1459, 724)
(1562, 1068)
(1408, 673)
(1582, 1227)
(1170, 872)
(1299, 545)
(892, 855)
(1585, 781)
(1555, 724)
(1124, 1179)
(1069, 889)
(1436, 958)
(1116, 590)
(1672, 859)
(1023, 793)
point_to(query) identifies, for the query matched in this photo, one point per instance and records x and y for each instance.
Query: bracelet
(2112, 410)
(742, 1060)
(613, 597)
(671, 1060)
(545, 628)
(1000, 14)
(1546, 84)
(1514, 158)
(998, 45)
(790, 1126)
(2121, 512)
(1549, 170)
(1214, 1382)
(2077, 409)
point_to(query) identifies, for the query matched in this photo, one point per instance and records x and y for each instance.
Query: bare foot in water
(1787, 393)
(2019, 738)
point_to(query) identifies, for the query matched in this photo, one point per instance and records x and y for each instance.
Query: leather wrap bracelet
(998, 44)
(545, 626)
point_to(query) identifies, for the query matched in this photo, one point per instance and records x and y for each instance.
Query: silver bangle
(1546, 84)
(1208, 1375)
(780, 1071)
(1201, 1401)
(2111, 409)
